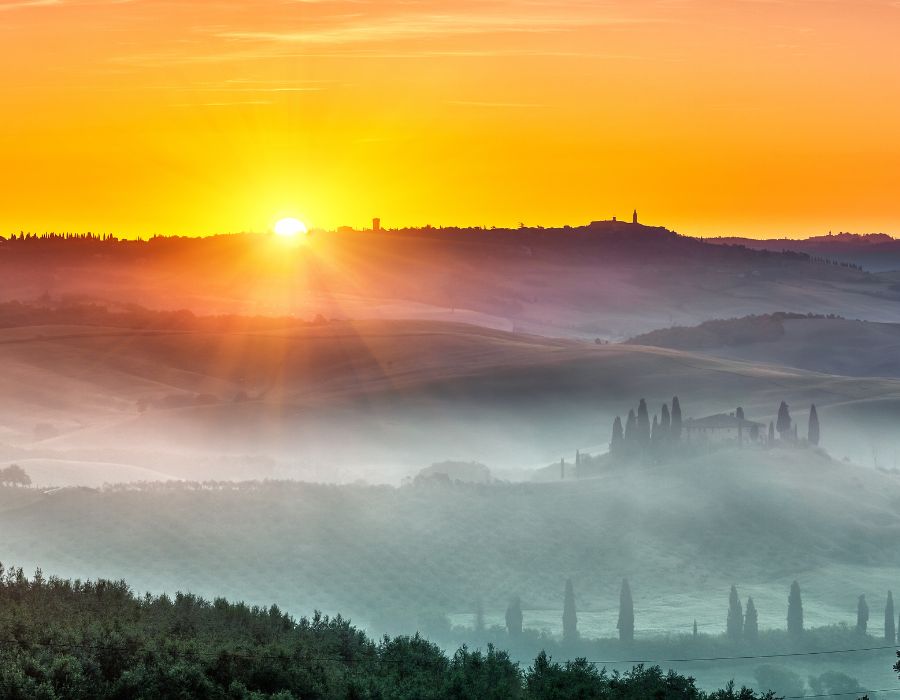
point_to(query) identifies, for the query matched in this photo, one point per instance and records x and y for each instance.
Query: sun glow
(290, 228)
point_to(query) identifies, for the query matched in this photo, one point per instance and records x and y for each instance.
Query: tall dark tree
(514, 617)
(631, 429)
(751, 622)
(676, 420)
(570, 617)
(812, 434)
(862, 615)
(665, 420)
(655, 434)
(890, 629)
(771, 432)
(735, 624)
(795, 611)
(625, 625)
(643, 424)
(783, 423)
(739, 415)
(617, 443)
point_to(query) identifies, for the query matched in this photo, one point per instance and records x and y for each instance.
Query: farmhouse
(722, 428)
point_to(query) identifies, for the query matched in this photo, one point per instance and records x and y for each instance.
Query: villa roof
(721, 420)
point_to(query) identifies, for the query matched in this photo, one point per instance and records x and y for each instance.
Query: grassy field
(682, 533)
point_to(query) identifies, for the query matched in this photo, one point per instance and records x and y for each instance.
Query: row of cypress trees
(741, 624)
(625, 624)
(639, 435)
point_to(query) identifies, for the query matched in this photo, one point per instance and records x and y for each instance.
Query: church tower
(634, 217)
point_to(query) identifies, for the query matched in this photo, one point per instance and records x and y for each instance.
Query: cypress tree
(643, 424)
(735, 624)
(617, 443)
(570, 617)
(795, 611)
(676, 420)
(890, 630)
(771, 433)
(862, 615)
(783, 423)
(631, 429)
(751, 622)
(625, 625)
(665, 420)
(812, 434)
(514, 617)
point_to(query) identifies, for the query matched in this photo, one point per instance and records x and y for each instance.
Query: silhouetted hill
(818, 343)
(608, 280)
(877, 252)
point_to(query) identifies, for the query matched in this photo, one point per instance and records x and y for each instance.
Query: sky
(745, 117)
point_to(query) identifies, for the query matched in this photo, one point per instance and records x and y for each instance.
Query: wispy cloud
(411, 26)
(20, 4)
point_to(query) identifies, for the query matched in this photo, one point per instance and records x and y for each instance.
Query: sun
(290, 228)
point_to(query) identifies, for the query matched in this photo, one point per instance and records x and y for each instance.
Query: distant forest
(724, 332)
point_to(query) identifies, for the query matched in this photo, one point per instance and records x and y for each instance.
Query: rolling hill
(376, 400)
(607, 280)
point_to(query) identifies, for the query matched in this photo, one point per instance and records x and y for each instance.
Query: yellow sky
(758, 117)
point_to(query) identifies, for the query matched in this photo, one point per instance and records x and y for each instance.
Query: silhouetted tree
(783, 424)
(625, 625)
(631, 429)
(795, 611)
(739, 414)
(735, 624)
(862, 615)
(570, 617)
(751, 622)
(617, 443)
(665, 420)
(812, 434)
(890, 630)
(643, 424)
(514, 617)
(15, 476)
(655, 434)
(676, 420)
(771, 432)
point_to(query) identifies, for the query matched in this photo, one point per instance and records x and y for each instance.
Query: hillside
(819, 344)
(608, 280)
(394, 558)
(85, 403)
(877, 252)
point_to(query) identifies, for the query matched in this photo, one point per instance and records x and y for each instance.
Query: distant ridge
(876, 252)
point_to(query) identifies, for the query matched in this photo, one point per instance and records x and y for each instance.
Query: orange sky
(759, 117)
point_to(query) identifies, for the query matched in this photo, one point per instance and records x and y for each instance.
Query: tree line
(97, 640)
(741, 623)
